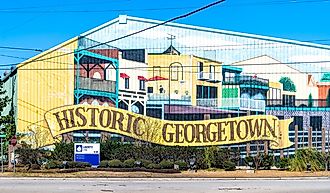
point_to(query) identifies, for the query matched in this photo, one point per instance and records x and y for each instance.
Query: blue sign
(87, 152)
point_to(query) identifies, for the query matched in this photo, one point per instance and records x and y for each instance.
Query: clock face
(135, 109)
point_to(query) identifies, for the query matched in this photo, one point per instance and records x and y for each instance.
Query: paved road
(29, 185)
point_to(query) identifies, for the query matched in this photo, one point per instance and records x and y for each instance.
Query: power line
(23, 49)
(134, 33)
(101, 11)
(186, 66)
(21, 10)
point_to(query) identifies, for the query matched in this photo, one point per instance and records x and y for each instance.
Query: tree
(328, 98)
(7, 122)
(288, 84)
(310, 100)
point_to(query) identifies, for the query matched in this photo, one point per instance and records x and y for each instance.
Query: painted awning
(123, 75)
(155, 78)
(141, 78)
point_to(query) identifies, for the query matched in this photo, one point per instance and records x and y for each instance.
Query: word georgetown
(184, 133)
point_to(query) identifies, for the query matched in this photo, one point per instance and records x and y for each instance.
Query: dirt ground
(185, 174)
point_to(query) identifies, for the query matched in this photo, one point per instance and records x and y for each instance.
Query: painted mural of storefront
(184, 87)
(196, 78)
(110, 77)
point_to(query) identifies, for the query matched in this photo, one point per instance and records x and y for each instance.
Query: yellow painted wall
(190, 76)
(218, 72)
(164, 62)
(42, 86)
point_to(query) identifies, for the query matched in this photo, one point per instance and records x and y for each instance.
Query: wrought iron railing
(297, 103)
(97, 84)
(246, 80)
(244, 104)
(207, 102)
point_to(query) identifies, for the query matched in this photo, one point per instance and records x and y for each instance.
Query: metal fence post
(296, 137)
(310, 137)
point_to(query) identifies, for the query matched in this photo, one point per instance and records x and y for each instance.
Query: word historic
(181, 133)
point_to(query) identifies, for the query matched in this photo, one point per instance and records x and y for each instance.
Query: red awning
(155, 78)
(123, 75)
(141, 78)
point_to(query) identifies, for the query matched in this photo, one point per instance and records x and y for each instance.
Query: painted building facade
(201, 74)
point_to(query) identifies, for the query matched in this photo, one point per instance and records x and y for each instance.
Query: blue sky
(42, 24)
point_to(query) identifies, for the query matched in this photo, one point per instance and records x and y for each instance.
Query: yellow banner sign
(171, 133)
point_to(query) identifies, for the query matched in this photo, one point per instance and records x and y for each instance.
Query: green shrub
(229, 166)
(310, 156)
(115, 163)
(267, 161)
(182, 165)
(129, 163)
(153, 166)
(54, 165)
(72, 164)
(165, 164)
(144, 162)
(104, 164)
(283, 163)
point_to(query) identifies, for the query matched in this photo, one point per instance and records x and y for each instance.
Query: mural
(171, 133)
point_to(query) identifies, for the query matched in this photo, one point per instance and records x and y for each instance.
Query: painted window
(142, 84)
(200, 67)
(204, 92)
(212, 72)
(174, 73)
(150, 89)
(316, 123)
(126, 83)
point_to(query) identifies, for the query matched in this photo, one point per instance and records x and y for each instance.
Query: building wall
(219, 45)
(41, 88)
(323, 89)
(272, 69)
(187, 80)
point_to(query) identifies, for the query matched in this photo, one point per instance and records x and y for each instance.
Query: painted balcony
(246, 81)
(164, 98)
(300, 103)
(97, 84)
(244, 104)
(207, 102)
(209, 77)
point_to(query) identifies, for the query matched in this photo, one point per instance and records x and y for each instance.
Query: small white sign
(87, 148)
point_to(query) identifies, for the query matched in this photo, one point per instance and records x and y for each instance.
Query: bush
(283, 163)
(115, 163)
(63, 151)
(72, 164)
(54, 165)
(144, 162)
(104, 164)
(129, 163)
(307, 156)
(267, 161)
(153, 166)
(182, 165)
(229, 166)
(165, 164)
